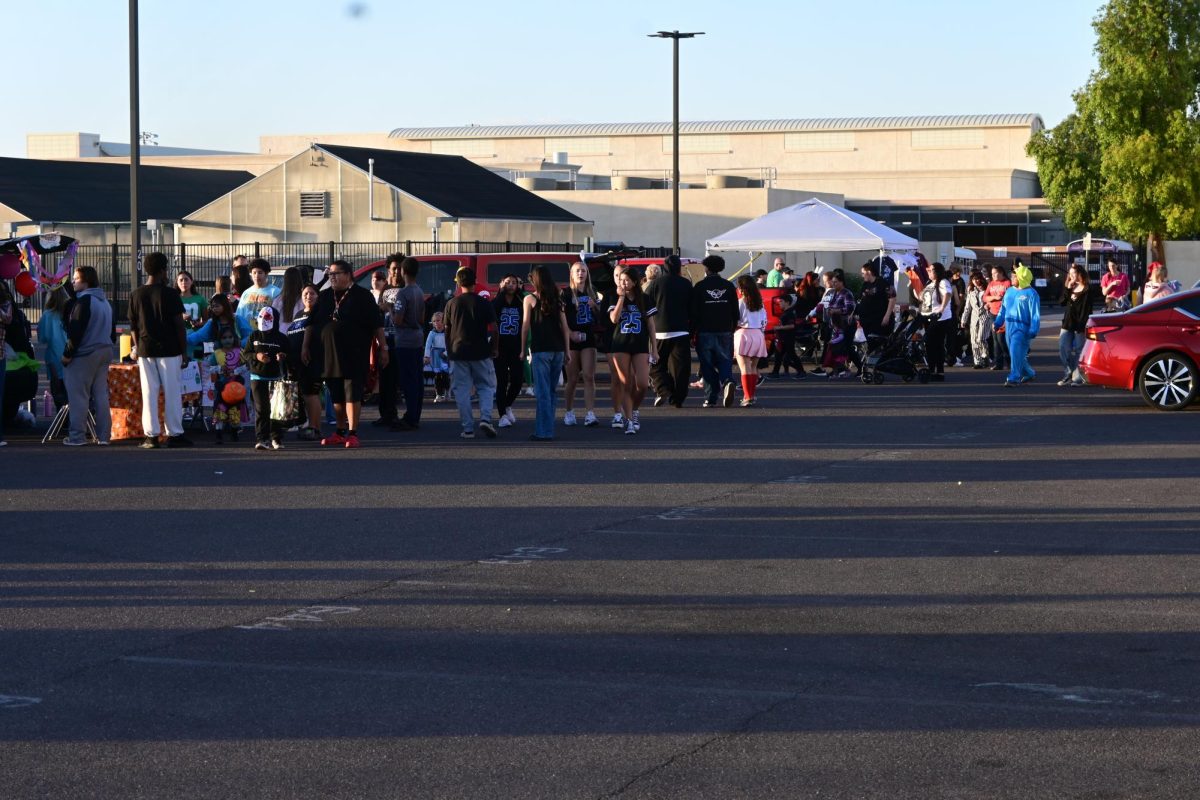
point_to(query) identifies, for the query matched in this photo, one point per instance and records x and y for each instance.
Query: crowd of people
(338, 343)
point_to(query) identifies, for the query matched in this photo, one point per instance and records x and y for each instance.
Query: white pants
(156, 374)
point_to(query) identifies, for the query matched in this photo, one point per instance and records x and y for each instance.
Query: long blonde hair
(588, 288)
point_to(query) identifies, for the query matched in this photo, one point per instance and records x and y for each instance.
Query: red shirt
(994, 295)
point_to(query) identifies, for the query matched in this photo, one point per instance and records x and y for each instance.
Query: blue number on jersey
(583, 311)
(631, 321)
(510, 322)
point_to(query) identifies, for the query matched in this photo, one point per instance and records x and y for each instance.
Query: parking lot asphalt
(953, 590)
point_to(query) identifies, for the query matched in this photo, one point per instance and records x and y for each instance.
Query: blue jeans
(715, 352)
(481, 375)
(546, 368)
(1018, 350)
(1070, 345)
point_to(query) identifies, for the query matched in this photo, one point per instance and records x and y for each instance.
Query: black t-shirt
(156, 314)
(632, 332)
(873, 303)
(581, 317)
(468, 317)
(348, 323)
(508, 323)
(295, 337)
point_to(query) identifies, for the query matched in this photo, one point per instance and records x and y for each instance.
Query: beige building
(352, 194)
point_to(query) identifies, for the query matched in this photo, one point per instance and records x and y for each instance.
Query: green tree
(1128, 159)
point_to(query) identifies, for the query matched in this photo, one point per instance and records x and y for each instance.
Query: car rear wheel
(1168, 382)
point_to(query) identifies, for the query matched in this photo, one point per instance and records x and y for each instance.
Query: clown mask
(266, 319)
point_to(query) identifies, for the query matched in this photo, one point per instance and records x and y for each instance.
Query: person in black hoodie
(671, 293)
(714, 315)
(266, 351)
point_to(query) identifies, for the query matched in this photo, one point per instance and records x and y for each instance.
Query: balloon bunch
(12, 269)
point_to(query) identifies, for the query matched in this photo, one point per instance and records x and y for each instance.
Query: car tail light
(1097, 332)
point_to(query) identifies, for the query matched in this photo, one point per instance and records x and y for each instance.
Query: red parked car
(1153, 348)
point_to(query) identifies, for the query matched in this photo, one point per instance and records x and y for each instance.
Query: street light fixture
(675, 36)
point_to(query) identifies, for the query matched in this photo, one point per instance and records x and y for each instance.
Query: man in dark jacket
(714, 315)
(671, 293)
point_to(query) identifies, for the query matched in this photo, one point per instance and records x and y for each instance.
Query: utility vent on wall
(314, 204)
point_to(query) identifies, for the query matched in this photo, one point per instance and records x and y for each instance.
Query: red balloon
(26, 285)
(10, 266)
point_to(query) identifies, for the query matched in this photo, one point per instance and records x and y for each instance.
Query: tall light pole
(135, 153)
(675, 36)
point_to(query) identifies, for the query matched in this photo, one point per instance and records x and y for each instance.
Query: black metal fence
(206, 262)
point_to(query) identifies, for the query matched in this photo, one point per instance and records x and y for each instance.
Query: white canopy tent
(811, 226)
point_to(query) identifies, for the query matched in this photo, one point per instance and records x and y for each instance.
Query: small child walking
(227, 363)
(266, 351)
(435, 357)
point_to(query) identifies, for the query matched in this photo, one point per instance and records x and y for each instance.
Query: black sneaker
(403, 425)
(179, 441)
(487, 429)
(149, 443)
(660, 401)
(382, 422)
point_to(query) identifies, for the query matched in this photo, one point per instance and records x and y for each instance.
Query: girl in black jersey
(582, 304)
(634, 347)
(510, 367)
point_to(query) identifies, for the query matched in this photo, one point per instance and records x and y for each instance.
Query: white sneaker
(636, 419)
(590, 420)
(630, 429)
(439, 398)
(618, 420)
(569, 418)
(512, 418)
(527, 391)
(504, 421)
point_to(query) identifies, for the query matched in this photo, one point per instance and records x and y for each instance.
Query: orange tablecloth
(125, 401)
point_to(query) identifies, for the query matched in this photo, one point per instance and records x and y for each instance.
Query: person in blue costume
(1020, 315)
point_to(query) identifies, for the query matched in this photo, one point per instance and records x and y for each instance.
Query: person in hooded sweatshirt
(265, 352)
(1020, 315)
(88, 323)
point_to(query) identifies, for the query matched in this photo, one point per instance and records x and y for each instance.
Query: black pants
(387, 387)
(265, 428)
(1000, 356)
(937, 332)
(673, 371)
(410, 371)
(510, 374)
(785, 355)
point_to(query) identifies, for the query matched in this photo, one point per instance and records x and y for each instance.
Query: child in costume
(226, 363)
(265, 353)
(435, 357)
(1020, 316)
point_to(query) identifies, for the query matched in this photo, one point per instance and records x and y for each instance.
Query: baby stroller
(902, 352)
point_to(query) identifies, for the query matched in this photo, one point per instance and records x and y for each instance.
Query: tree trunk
(1154, 244)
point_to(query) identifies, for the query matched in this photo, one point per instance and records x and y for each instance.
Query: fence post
(476, 250)
(537, 246)
(331, 258)
(408, 247)
(257, 250)
(507, 246)
(182, 255)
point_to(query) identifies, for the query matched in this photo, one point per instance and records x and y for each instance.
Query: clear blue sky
(218, 73)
